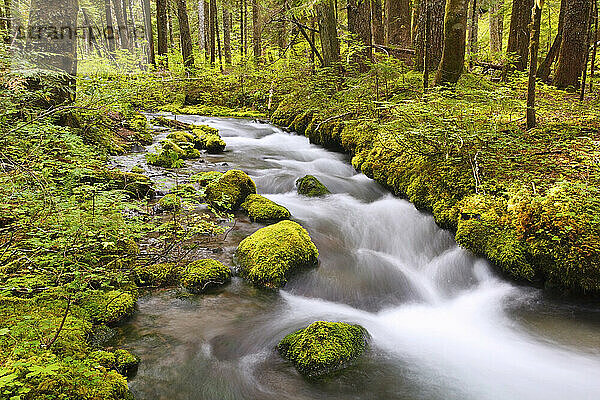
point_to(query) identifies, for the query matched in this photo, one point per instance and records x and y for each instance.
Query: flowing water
(443, 325)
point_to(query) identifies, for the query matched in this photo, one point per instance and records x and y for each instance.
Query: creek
(443, 324)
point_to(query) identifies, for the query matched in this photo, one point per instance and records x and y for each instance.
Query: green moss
(204, 178)
(204, 274)
(181, 136)
(323, 347)
(260, 209)
(170, 202)
(207, 138)
(137, 170)
(271, 254)
(109, 307)
(126, 363)
(310, 186)
(137, 185)
(158, 275)
(230, 190)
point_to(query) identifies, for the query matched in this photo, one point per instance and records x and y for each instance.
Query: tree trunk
(245, 27)
(207, 33)
(397, 15)
(110, 29)
(377, 17)
(573, 46)
(496, 26)
(201, 31)
(121, 25)
(256, 31)
(170, 25)
(435, 35)
(534, 46)
(215, 15)
(455, 30)
(55, 17)
(595, 39)
(227, 35)
(148, 31)
(543, 71)
(473, 27)
(211, 29)
(330, 45)
(518, 35)
(241, 28)
(161, 28)
(185, 36)
(359, 16)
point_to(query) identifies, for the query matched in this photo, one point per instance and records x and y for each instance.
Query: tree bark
(595, 39)
(496, 26)
(121, 25)
(534, 45)
(215, 14)
(211, 29)
(518, 35)
(543, 71)
(455, 30)
(397, 15)
(573, 46)
(207, 32)
(148, 31)
(161, 27)
(110, 29)
(184, 35)
(256, 31)
(201, 31)
(359, 18)
(377, 18)
(330, 45)
(473, 27)
(435, 34)
(227, 35)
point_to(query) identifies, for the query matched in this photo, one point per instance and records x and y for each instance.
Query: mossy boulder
(119, 307)
(271, 254)
(170, 202)
(261, 209)
(311, 187)
(207, 138)
(126, 363)
(324, 347)
(121, 361)
(181, 137)
(136, 185)
(204, 274)
(157, 275)
(230, 190)
(204, 178)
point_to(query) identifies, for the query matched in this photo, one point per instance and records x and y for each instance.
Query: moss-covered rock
(126, 363)
(271, 254)
(324, 347)
(137, 185)
(207, 138)
(170, 202)
(261, 209)
(230, 190)
(181, 136)
(157, 275)
(203, 274)
(204, 178)
(310, 186)
(119, 307)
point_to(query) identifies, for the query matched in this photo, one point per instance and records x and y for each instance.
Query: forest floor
(528, 200)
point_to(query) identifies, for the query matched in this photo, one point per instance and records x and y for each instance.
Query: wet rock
(261, 209)
(201, 275)
(271, 254)
(324, 347)
(230, 190)
(311, 187)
